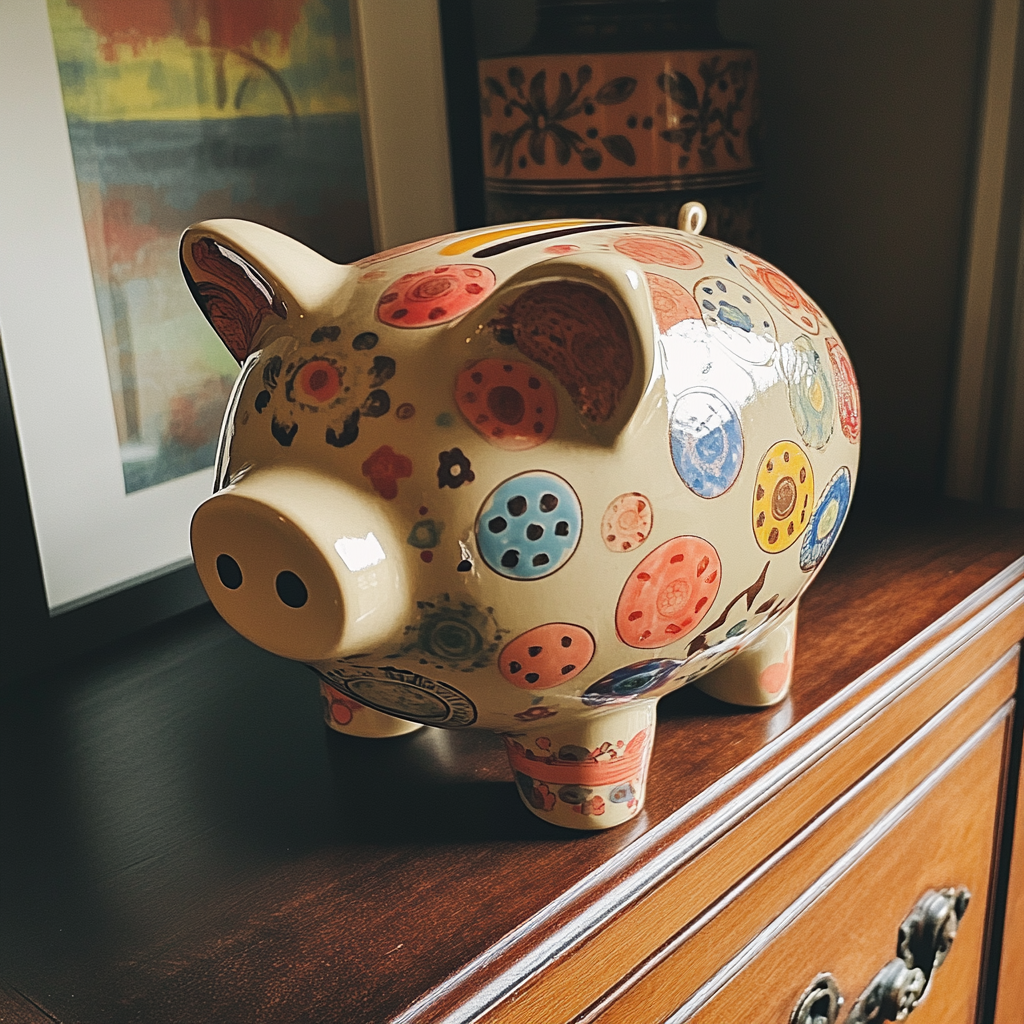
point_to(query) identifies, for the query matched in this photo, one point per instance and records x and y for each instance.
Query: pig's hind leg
(585, 771)
(345, 715)
(759, 675)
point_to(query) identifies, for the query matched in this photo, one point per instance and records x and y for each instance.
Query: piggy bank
(530, 479)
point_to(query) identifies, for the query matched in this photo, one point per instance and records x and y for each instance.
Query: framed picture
(122, 124)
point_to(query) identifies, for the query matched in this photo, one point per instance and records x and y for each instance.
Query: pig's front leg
(587, 771)
(760, 675)
(345, 715)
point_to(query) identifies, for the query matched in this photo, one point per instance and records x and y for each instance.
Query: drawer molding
(952, 712)
(875, 835)
(583, 910)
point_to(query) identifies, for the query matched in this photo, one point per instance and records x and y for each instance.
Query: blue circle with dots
(707, 442)
(826, 520)
(529, 526)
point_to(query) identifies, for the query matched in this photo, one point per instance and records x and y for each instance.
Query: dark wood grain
(16, 1009)
(180, 838)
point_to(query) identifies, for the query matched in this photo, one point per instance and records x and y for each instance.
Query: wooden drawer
(936, 692)
(833, 897)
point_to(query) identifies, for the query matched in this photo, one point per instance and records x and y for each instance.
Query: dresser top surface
(181, 838)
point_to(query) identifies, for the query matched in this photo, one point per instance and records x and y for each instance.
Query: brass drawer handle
(930, 928)
(820, 1003)
(925, 938)
(924, 941)
(894, 991)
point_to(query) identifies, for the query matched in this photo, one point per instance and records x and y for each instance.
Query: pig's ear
(246, 277)
(587, 319)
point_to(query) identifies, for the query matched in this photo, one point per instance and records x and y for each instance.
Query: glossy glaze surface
(490, 449)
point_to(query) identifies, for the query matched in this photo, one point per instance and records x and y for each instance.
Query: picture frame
(90, 540)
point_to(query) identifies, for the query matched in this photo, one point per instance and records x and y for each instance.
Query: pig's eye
(291, 589)
(229, 571)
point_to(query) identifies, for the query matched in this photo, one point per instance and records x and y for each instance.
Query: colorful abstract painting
(182, 110)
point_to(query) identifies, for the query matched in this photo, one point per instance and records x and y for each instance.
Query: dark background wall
(870, 111)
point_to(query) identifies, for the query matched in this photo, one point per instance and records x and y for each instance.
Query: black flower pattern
(710, 116)
(544, 120)
(453, 469)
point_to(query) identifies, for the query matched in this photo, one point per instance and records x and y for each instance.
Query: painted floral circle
(811, 394)
(627, 522)
(508, 403)
(529, 526)
(783, 493)
(847, 391)
(737, 319)
(315, 383)
(546, 656)
(671, 301)
(706, 439)
(318, 379)
(668, 593)
(434, 296)
(783, 294)
(664, 251)
(826, 520)
(406, 695)
(631, 681)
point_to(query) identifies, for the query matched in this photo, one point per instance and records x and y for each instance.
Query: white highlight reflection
(359, 552)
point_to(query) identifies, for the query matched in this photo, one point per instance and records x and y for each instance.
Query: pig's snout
(300, 564)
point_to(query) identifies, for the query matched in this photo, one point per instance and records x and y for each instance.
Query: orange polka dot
(508, 403)
(775, 677)
(668, 593)
(627, 522)
(434, 296)
(653, 249)
(672, 302)
(546, 656)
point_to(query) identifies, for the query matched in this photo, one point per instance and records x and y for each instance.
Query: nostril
(229, 571)
(290, 589)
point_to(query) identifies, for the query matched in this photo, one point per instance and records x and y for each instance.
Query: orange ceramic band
(581, 773)
(638, 121)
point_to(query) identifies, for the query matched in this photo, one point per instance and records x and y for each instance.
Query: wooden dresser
(182, 840)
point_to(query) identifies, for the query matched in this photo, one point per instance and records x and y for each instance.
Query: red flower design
(385, 467)
(533, 714)
(343, 709)
(542, 798)
(228, 23)
(595, 806)
(319, 380)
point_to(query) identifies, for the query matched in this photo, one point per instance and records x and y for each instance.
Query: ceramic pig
(529, 479)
